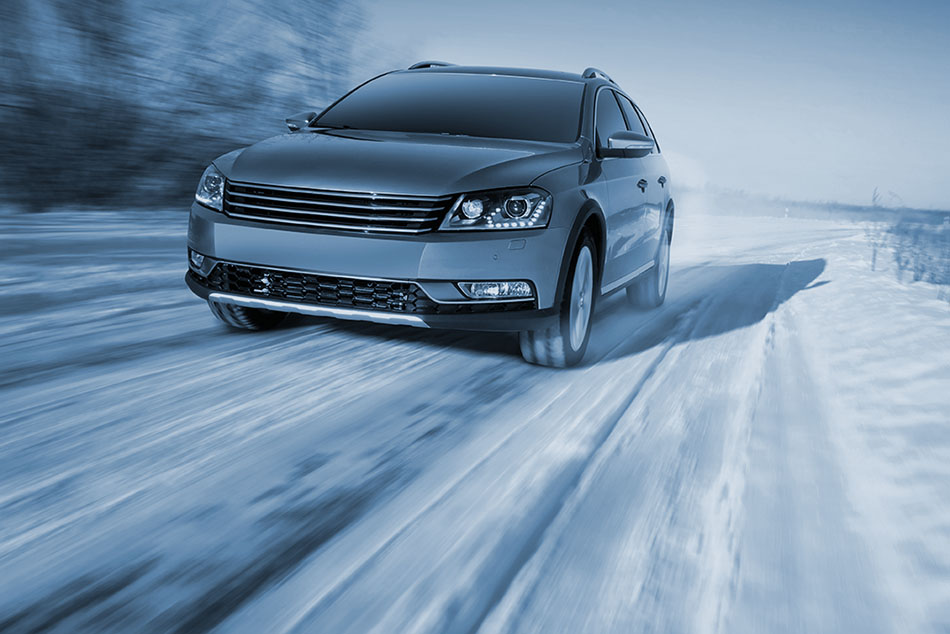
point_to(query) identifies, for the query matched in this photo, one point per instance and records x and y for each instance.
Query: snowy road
(768, 452)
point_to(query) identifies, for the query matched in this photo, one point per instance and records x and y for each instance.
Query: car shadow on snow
(704, 301)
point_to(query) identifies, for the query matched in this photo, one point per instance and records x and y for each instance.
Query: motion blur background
(122, 103)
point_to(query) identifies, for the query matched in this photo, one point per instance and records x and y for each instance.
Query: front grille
(345, 292)
(347, 211)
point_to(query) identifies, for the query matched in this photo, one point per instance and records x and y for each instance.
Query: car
(443, 196)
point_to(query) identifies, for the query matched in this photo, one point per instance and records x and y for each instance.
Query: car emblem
(263, 285)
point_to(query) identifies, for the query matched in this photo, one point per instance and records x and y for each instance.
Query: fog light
(197, 260)
(496, 290)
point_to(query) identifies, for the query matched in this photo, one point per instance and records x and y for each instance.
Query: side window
(649, 129)
(633, 121)
(609, 119)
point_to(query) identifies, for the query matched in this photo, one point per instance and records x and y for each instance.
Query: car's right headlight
(521, 208)
(211, 188)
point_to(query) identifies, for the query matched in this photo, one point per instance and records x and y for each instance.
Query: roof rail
(429, 64)
(592, 72)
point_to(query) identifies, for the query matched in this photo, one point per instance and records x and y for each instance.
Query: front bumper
(430, 263)
(501, 320)
(438, 258)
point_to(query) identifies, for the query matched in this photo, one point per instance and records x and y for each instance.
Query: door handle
(661, 180)
(642, 184)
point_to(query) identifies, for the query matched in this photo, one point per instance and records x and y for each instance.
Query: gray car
(443, 196)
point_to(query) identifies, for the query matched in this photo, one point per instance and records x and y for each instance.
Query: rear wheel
(246, 318)
(650, 290)
(565, 343)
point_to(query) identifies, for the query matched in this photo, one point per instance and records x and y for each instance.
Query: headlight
(211, 188)
(525, 208)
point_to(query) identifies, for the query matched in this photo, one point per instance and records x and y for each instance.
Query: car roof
(499, 70)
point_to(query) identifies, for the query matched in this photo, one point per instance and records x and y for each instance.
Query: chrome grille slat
(327, 225)
(332, 214)
(343, 194)
(330, 209)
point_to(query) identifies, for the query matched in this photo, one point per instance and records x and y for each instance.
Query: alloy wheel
(582, 295)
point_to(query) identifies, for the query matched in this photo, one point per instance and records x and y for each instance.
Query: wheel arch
(589, 218)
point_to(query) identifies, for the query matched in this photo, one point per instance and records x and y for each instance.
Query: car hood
(397, 163)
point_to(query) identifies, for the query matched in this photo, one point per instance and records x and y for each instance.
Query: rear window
(495, 106)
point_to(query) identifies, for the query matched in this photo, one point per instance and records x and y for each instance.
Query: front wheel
(565, 343)
(245, 318)
(650, 290)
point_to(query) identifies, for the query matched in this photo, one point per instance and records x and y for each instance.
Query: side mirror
(301, 120)
(626, 144)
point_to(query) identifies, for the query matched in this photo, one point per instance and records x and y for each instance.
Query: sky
(807, 100)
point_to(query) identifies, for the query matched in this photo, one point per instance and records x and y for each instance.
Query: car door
(626, 197)
(655, 179)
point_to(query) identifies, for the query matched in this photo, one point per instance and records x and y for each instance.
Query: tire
(564, 344)
(649, 291)
(244, 318)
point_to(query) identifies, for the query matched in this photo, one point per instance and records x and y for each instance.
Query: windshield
(495, 106)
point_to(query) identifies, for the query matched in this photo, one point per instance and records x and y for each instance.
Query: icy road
(768, 452)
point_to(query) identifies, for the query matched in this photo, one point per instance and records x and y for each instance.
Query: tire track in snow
(601, 453)
(144, 440)
(503, 614)
(798, 546)
(301, 600)
(289, 545)
(545, 507)
(460, 612)
(725, 505)
(722, 507)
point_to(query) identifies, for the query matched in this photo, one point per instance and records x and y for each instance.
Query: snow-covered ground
(768, 452)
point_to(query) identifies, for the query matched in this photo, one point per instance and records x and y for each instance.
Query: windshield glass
(495, 106)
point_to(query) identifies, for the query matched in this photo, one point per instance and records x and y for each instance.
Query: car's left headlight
(523, 208)
(211, 188)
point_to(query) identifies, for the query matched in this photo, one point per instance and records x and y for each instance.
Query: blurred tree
(123, 102)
